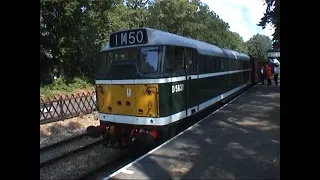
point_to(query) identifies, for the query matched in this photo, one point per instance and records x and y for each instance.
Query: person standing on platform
(262, 75)
(268, 73)
(275, 74)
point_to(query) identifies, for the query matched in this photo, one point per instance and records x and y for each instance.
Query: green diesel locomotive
(149, 80)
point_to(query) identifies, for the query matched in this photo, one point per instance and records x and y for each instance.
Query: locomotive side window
(189, 60)
(195, 61)
(174, 61)
(169, 56)
(178, 60)
(188, 54)
(201, 64)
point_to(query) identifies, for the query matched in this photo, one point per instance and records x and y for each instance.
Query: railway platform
(239, 141)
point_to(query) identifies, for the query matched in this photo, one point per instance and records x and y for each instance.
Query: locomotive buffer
(241, 140)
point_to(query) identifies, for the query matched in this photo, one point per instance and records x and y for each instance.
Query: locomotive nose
(94, 132)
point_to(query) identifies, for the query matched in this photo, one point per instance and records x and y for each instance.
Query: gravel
(60, 150)
(54, 132)
(78, 164)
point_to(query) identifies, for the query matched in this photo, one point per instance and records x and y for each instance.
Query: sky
(241, 15)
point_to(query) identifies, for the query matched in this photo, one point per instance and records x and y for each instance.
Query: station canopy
(273, 53)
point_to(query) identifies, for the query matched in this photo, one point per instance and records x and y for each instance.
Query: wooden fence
(62, 107)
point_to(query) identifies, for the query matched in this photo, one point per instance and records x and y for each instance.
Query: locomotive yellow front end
(119, 106)
(127, 100)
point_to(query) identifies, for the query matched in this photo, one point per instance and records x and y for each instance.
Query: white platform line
(124, 169)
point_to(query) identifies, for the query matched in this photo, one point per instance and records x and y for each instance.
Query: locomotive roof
(158, 37)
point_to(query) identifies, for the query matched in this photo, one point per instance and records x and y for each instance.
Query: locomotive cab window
(130, 54)
(149, 59)
(146, 58)
(104, 61)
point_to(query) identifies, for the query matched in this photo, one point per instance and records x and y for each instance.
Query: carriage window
(149, 59)
(212, 65)
(222, 64)
(217, 64)
(237, 64)
(228, 64)
(207, 64)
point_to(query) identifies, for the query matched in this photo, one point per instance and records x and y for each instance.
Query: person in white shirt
(275, 74)
(262, 75)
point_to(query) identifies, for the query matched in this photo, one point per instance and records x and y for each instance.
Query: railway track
(86, 160)
(62, 142)
(50, 154)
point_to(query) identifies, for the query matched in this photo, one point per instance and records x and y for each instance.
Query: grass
(61, 87)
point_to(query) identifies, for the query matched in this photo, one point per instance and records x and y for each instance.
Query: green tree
(258, 46)
(272, 16)
(69, 31)
(193, 19)
(236, 42)
(73, 31)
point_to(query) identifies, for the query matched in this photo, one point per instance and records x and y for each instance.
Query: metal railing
(63, 107)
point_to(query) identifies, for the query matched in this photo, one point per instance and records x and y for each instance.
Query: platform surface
(241, 140)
